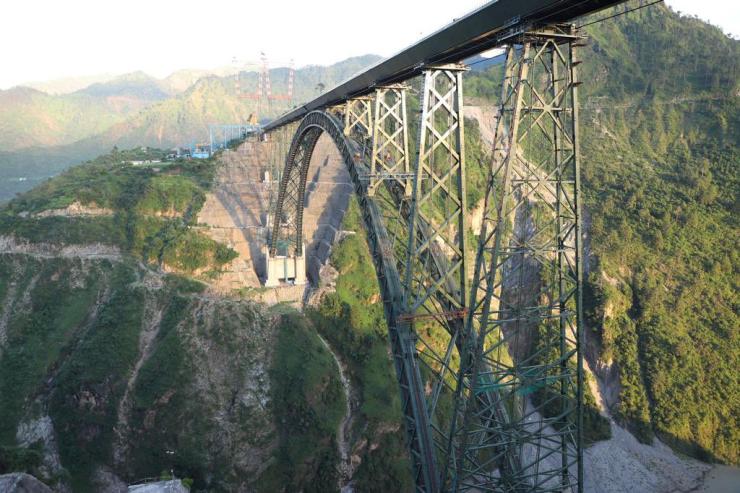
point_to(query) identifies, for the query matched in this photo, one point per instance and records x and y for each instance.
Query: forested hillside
(660, 141)
(116, 365)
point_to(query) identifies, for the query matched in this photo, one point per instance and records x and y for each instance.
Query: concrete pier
(284, 268)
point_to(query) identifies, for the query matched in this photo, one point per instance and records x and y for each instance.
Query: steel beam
(402, 340)
(358, 117)
(490, 374)
(438, 220)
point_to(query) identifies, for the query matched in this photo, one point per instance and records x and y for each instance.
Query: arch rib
(402, 339)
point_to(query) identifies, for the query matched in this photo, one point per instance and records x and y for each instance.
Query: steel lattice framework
(487, 339)
(523, 326)
(389, 159)
(487, 356)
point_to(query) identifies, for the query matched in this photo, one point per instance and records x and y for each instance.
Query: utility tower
(263, 94)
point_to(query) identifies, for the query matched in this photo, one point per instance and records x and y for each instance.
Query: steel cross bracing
(524, 324)
(389, 158)
(438, 206)
(488, 359)
(358, 116)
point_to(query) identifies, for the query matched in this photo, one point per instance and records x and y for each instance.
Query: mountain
(179, 80)
(661, 147)
(45, 134)
(31, 118)
(117, 361)
(136, 85)
(67, 85)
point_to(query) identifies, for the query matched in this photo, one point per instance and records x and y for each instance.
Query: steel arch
(292, 189)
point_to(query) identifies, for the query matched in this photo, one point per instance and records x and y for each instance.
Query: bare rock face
(92, 251)
(171, 486)
(20, 482)
(76, 209)
(41, 430)
(105, 480)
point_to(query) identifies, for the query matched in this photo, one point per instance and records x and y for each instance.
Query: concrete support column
(284, 268)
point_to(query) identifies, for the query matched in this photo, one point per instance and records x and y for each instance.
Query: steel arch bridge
(486, 340)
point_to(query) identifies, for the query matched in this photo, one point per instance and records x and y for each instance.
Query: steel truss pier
(523, 327)
(486, 340)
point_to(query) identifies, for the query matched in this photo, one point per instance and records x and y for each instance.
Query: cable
(619, 13)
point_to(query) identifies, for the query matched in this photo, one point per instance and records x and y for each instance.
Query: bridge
(485, 325)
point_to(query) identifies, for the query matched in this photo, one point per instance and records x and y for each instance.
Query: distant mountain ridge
(43, 134)
(135, 84)
(66, 85)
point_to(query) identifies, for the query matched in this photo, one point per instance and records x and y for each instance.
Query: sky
(50, 39)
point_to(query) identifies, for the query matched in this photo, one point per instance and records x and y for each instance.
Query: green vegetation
(69, 348)
(660, 154)
(15, 459)
(92, 380)
(43, 135)
(146, 212)
(352, 320)
(40, 335)
(308, 404)
(168, 414)
(32, 118)
(659, 113)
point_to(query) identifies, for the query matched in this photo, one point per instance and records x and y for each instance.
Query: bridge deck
(478, 31)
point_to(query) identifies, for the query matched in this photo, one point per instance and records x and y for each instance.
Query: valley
(138, 341)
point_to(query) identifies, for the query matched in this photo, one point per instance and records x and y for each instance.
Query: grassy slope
(352, 320)
(660, 152)
(136, 196)
(308, 403)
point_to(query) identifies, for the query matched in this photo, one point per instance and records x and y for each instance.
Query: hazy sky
(49, 39)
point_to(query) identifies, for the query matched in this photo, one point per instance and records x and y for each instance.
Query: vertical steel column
(573, 62)
(522, 420)
(436, 267)
(436, 277)
(389, 155)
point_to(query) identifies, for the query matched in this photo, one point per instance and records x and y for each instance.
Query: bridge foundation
(284, 268)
